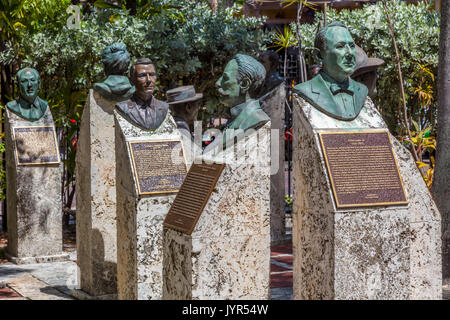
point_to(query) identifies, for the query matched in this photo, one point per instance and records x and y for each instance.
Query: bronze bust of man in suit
(332, 91)
(29, 106)
(143, 109)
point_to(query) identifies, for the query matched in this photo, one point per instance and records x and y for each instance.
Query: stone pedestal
(273, 104)
(96, 198)
(383, 252)
(34, 204)
(139, 217)
(227, 255)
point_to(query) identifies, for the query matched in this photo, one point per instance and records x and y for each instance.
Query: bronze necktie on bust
(337, 88)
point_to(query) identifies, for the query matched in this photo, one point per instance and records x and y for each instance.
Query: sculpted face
(192, 111)
(29, 85)
(228, 85)
(144, 80)
(339, 58)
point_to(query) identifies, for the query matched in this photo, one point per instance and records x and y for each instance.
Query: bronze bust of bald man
(29, 106)
(143, 109)
(332, 91)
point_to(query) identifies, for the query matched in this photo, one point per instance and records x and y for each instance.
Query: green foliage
(19, 17)
(284, 40)
(417, 33)
(188, 43)
(288, 200)
(191, 46)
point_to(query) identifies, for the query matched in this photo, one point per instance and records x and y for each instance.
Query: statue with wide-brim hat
(184, 104)
(366, 70)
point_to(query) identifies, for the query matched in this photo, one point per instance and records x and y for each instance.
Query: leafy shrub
(189, 44)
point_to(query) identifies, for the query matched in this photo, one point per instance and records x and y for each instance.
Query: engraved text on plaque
(362, 168)
(154, 169)
(36, 145)
(193, 196)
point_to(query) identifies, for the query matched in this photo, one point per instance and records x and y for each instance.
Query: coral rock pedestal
(273, 104)
(139, 216)
(382, 252)
(226, 255)
(96, 199)
(33, 191)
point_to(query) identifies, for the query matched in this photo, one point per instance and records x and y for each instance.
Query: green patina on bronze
(238, 86)
(332, 91)
(29, 105)
(116, 86)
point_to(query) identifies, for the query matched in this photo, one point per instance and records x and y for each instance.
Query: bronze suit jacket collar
(148, 115)
(29, 111)
(317, 92)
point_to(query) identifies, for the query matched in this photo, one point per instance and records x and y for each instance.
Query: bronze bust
(116, 86)
(332, 91)
(143, 109)
(239, 86)
(29, 106)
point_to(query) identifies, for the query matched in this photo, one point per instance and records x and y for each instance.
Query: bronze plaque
(36, 145)
(154, 168)
(193, 196)
(362, 168)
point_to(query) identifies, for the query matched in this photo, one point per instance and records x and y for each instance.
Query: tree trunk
(441, 183)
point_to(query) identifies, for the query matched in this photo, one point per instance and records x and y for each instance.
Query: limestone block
(273, 104)
(139, 217)
(383, 252)
(96, 198)
(227, 256)
(34, 204)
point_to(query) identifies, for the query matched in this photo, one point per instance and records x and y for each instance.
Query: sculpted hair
(319, 41)
(133, 67)
(21, 71)
(251, 69)
(116, 59)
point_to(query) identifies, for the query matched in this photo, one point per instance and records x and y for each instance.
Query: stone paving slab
(35, 289)
(61, 276)
(281, 293)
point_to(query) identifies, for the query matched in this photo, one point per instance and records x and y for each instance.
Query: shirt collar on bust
(143, 104)
(24, 103)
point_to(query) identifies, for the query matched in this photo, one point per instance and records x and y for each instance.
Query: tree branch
(402, 90)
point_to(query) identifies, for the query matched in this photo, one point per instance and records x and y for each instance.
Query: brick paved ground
(3, 244)
(281, 272)
(7, 293)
